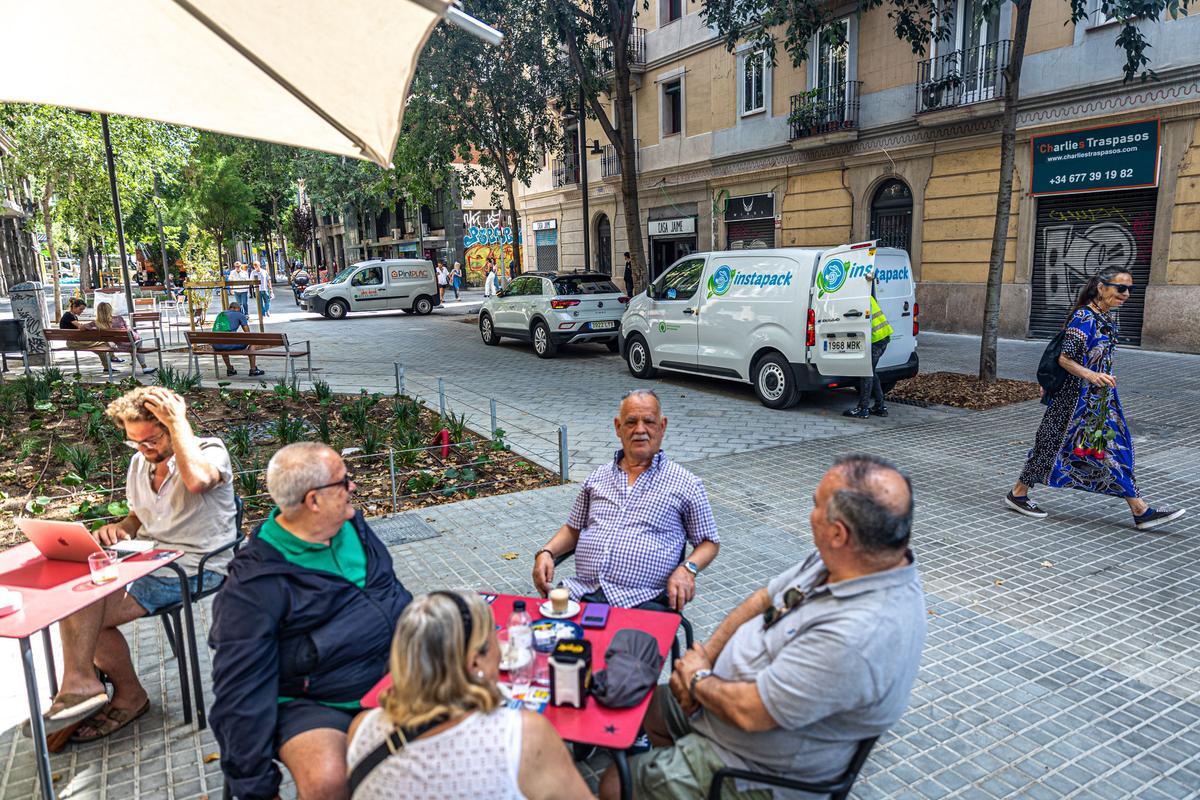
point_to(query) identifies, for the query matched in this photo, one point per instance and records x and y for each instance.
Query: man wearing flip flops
(180, 494)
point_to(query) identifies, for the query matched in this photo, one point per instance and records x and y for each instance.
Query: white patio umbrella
(328, 75)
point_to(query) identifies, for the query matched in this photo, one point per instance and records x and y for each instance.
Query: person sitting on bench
(230, 320)
(70, 322)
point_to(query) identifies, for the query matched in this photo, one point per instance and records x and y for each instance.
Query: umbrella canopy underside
(320, 75)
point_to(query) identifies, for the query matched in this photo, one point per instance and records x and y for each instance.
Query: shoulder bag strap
(393, 743)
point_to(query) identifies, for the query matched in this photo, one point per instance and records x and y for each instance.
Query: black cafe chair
(838, 789)
(660, 603)
(178, 634)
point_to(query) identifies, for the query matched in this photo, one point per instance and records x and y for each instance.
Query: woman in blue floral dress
(1083, 441)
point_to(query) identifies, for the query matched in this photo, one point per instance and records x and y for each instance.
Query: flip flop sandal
(71, 708)
(108, 722)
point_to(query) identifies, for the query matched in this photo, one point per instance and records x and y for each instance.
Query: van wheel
(774, 382)
(423, 306)
(637, 358)
(613, 346)
(488, 331)
(337, 309)
(543, 345)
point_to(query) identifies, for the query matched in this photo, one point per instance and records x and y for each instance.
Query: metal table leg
(49, 646)
(35, 720)
(622, 763)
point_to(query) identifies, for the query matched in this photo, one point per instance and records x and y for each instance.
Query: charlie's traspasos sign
(1096, 159)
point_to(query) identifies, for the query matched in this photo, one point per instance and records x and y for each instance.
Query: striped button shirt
(632, 537)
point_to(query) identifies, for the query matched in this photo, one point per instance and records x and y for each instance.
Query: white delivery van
(380, 284)
(785, 320)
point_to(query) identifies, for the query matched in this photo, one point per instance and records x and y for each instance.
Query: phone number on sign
(1080, 177)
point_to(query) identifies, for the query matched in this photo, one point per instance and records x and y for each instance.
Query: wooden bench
(259, 345)
(111, 342)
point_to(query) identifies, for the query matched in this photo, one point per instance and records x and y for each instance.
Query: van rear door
(841, 305)
(897, 299)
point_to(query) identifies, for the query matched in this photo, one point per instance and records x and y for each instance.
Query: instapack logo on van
(835, 272)
(726, 276)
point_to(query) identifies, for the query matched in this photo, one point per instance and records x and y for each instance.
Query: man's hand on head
(681, 588)
(167, 407)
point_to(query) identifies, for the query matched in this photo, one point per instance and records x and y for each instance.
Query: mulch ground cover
(963, 391)
(62, 458)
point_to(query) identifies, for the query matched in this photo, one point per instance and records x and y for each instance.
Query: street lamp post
(116, 201)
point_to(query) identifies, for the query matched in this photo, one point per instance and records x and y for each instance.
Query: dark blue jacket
(280, 629)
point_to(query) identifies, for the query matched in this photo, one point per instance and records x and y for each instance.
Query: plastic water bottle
(520, 635)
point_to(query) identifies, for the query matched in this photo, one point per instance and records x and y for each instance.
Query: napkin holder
(570, 672)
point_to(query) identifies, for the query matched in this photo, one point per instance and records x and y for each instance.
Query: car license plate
(854, 345)
(603, 326)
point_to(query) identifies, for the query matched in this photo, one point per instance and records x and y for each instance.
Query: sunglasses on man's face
(1122, 288)
(791, 599)
(344, 483)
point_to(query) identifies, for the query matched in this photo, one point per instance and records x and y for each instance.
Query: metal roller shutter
(749, 234)
(547, 250)
(1079, 235)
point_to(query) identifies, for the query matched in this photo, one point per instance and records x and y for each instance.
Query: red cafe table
(614, 729)
(50, 591)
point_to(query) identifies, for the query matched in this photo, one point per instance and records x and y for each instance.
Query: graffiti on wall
(485, 235)
(1078, 243)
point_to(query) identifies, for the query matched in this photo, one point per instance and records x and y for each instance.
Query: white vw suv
(551, 309)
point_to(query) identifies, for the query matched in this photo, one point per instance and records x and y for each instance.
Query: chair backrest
(219, 337)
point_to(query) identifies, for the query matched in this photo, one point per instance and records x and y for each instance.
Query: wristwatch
(691, 567)
(697, 676)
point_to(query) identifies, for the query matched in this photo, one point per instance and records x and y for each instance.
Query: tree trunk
(1008, 151)
(514, 219)
(85, 268)
(629, 181)
(48, 223)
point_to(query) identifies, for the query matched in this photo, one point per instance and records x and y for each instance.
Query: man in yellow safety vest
(868, 387)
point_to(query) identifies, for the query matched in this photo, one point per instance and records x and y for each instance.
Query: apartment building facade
(868, 140)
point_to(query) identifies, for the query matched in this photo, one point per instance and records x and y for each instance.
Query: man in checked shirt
(632, 520)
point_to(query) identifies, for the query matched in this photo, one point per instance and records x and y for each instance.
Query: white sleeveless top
(477, 758)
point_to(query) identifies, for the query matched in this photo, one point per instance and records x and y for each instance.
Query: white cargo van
(380, 284)
(786, 320)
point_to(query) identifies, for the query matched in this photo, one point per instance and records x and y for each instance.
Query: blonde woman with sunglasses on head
(443, 731)
(106, 321)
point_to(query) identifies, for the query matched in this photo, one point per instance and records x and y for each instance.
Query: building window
(400, 217)
(754, 82)
(437, 213)
(672, 107)
(832, 48)
(670, 10)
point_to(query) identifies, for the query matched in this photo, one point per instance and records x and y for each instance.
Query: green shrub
(238, 440)
(83, 460)
(288, 429)
(177, 381)
(322, 392)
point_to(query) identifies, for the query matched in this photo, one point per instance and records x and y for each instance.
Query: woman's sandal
(108, 722)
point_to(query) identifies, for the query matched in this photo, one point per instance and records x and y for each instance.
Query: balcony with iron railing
(637, 53)
(564, 171)
(610, 163)
(963, 84)
(825, 115)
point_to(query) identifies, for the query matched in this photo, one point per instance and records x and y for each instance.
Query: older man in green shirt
(301, 629)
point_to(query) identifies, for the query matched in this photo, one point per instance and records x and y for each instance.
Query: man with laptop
(180, 494)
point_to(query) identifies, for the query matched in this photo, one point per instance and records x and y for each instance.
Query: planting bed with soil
(62, 458)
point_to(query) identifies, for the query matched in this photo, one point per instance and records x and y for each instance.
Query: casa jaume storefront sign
(1096, 159)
